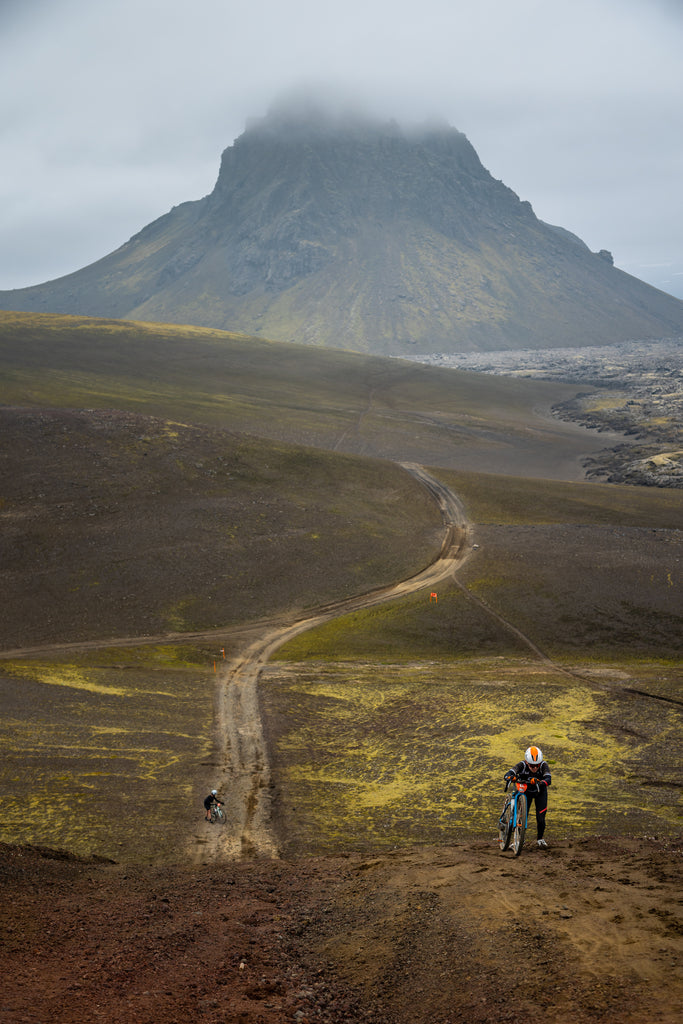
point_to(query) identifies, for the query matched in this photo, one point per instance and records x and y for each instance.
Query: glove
(508, 775)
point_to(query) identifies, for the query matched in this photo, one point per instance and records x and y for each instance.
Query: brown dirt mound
(588, 931)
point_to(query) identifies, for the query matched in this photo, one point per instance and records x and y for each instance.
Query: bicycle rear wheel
(520, 826)
(505, 825)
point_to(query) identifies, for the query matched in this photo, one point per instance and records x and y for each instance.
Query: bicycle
(217, 814)
(513, 818)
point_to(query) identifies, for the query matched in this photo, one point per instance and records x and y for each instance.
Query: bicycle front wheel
(520, 826)
(505, 826)
(220, 816)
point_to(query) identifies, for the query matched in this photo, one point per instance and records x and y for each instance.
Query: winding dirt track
(244, 754)
(242, 750)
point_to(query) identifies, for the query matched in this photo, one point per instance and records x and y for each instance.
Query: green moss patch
(103, 754)
(380, 756)
(419, 626)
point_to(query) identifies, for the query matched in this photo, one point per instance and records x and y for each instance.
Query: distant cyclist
(209, 801)
(535, 772)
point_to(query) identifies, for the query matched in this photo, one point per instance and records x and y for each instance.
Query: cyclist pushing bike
(209, 802)
(534, 771)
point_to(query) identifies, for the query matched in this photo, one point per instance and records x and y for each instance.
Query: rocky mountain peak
(302, 123)
(330, 226)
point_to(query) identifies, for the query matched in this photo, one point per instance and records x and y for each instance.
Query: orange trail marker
(433, 597)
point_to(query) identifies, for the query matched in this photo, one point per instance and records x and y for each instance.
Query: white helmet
(534, 755)
(214, 792)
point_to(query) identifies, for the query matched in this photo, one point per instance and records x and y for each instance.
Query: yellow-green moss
(102, 754)
(370, 755)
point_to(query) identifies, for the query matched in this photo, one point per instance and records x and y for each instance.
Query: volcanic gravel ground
(587, 931)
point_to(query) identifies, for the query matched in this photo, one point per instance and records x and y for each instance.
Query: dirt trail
(586, 931)
(244, 754)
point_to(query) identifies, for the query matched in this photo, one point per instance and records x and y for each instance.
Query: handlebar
(529, 782)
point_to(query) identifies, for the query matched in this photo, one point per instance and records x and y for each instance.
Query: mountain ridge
(351, 233)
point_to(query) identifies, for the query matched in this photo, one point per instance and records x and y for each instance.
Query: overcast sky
(113, 112)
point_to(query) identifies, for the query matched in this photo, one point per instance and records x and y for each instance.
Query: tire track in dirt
(248, 831)
(146, 640)
(243, 752)
(245, 755)
(554, 665)
(512, 629)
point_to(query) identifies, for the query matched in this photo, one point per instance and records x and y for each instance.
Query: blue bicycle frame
(513, 820)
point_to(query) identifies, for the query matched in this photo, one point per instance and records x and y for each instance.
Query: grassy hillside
(117, 524)
(358, 404)
(131, 505)
(565, 631)
(584, 570)
(380, 757)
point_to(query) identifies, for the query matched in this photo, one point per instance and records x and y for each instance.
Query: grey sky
(111, 113)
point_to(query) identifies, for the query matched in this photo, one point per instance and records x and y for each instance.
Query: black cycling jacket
(524, 774)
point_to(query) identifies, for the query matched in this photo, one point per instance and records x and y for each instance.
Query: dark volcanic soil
(587, 931)
(116, 524)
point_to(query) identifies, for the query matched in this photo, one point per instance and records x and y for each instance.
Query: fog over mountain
(114, 113)
(337, 229)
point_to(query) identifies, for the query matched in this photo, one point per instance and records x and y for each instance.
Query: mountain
(345, 232)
